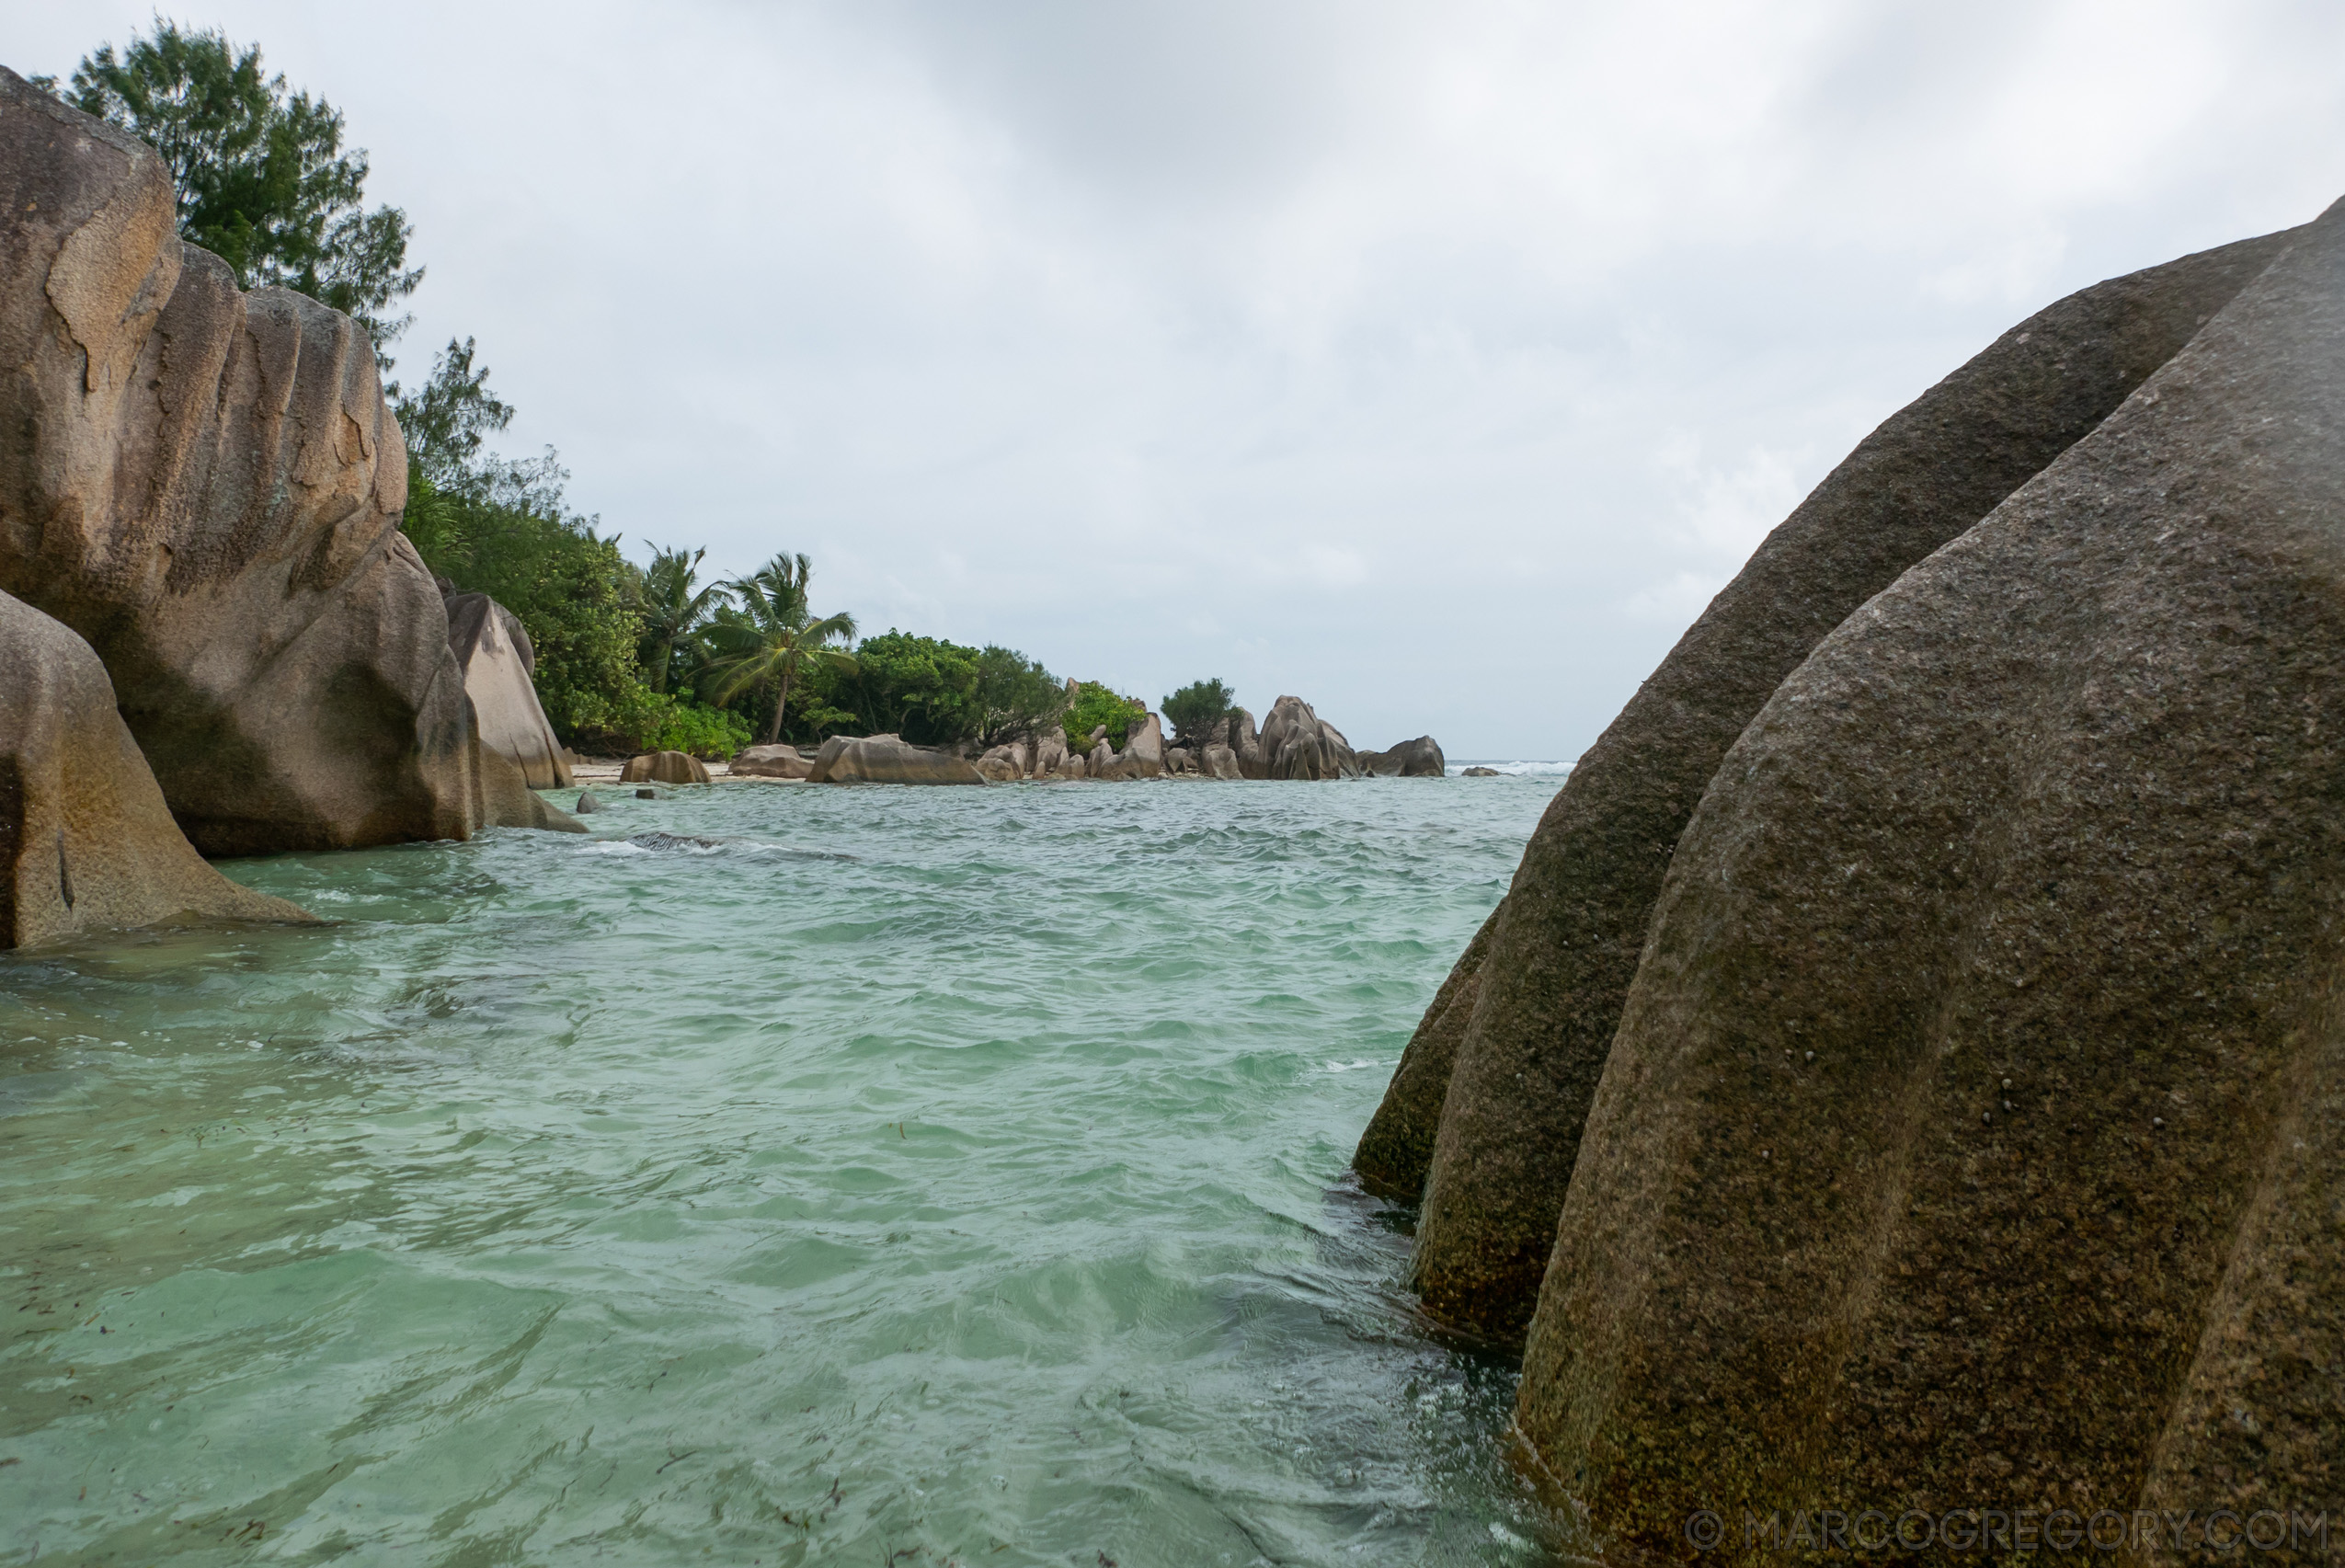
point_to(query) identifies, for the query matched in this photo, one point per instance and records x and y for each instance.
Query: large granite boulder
(1103, 762)
(1297, 744)
(664, 767)
(1975, 1127)
(1049, 751)
(1418, 759)
(1566, 940)
(1219, 761)
(206, 486)
(779, 762)
(1245, 744)
(493, 649)
(1002, 764)
(886, 759)
(85, 839)
(1143, 753)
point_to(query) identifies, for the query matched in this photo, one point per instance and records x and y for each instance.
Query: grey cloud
(1432, 362)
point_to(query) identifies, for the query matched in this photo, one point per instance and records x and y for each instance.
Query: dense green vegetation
(629, 657)
(1095, 705)
(262, 178)
(1197, 710)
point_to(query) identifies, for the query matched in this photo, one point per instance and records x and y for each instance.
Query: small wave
(673, 841)
(1346, 1066)
(613, 846)
(1523, 770)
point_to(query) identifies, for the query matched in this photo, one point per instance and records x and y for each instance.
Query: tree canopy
(1197, 710)
(263, 179)
(1095, 705)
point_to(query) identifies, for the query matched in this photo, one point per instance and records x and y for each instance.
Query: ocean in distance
(904, 1175)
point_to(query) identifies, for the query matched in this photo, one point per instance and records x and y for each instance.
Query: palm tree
(773, 634)
(673, 610)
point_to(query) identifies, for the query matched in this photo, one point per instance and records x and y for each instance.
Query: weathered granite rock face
(1143, 753)
(1566, 943)
(1418, 759)
(1178, 759)
(1297, 744)
(1245, 744)
(206, 486)
(85, 841)
(1972, 1127)
(886, 759)
(1221, 763)
(1002, 764)
(1049, 752)
(664, 767)
(493, 649)
(778, 761)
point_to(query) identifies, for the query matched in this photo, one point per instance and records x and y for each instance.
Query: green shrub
(503, 531)
(920, 688)
(1016, 697)
(1095, 704)
(657, 721)
(1197, 710)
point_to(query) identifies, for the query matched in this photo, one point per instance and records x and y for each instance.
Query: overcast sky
(1435, 362)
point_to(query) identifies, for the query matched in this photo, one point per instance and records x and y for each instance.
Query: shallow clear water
(915, 1176)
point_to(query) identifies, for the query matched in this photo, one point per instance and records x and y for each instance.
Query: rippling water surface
(905, 1177)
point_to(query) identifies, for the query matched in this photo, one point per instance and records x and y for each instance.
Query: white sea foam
(1525, 769)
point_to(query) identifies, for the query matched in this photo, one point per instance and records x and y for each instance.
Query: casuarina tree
(263, 179)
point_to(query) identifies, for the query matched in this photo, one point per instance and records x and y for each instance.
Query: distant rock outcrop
(664, 767)
(206, 486)
(1914, 1017)
(493, 649)
(1220, 762)
(85, 839)
(886, 759)
(778, 761)
(1418, 759)
(1297, 744)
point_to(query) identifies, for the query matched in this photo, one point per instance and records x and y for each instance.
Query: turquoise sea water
(907, 1176)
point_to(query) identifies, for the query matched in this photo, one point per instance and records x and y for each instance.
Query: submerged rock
(664, 767)
(658, 841)
(1479, 773)
(587, 802)
(206, 485)
(1569, 930)
(493, 650)
(886, 759)
(85, 839)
